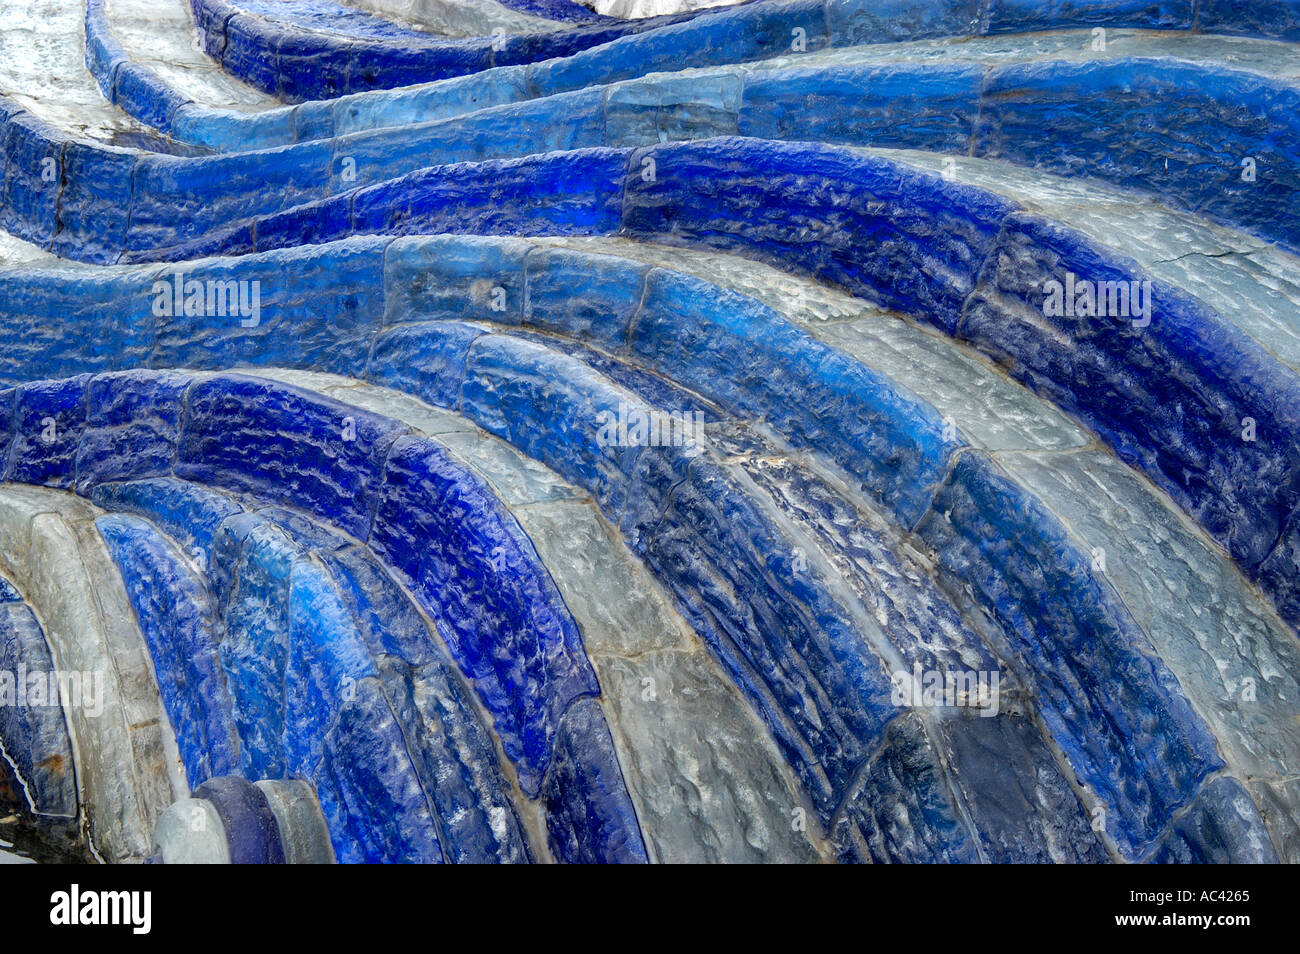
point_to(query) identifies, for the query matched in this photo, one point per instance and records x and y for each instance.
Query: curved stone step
(308, 724)
(686, 105)
(681, 730)
(673, 841)
(899, 516)
(141, 416)
(147, 57)
(354, 730)
(127, 767)
(42, 69)
(962, 296)
(1215, 704)
(1158, 560)
(1117, 646)
(38, 790)
(638, 9)
(314, 49)
(457, 276)
(745, 35)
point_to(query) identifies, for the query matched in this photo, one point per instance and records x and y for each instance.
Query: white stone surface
(160, 35)
(639, 9)
(458, 17)
(43, 69)
(190, 832)
(1211, 627)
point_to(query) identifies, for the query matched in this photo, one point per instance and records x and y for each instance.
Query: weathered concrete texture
(552, 271)
(1017, 798)
(621, 609)
(1237, 662)
(458, 17)
(258, 569)
(1248, 281)
(475, 575)
(623, 615)
(585, 762)
(34, 742)
(750, 661)
(43, 69)
(127, 764)
(160, 36)
(290, 685)
(320, 50)
(1105, 696)
(450, 745)
(872, 496)
(303, 833)
(1223, 826)
(190, 832)
(948, 377)
(901, 809)
(176, 616)
(636, 9)
(708, 784)
(1279, 803)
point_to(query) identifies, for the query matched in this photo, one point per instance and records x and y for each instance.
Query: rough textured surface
(127, 768)
(34, 739)
(627, 522)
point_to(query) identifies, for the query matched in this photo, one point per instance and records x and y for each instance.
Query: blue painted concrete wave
(265, 633)
(704, 194)
(305, 595)
(672, 508)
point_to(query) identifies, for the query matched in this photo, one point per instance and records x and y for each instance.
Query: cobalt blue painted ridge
(473, 572)
(713, 37)
(1109, 702)
(274, 49)
(109, 188)
(179, 624)
(251, 828)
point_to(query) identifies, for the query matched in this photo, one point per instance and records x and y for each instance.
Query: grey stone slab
(1072, 45)
(458, 17)
(128, 768)
(518, 479)
(190, 832)
(1258, 290)
(990, 409)
(1235, 659)
(42, 67)
(1279, 803)
(434, 421)
(707, 780)
(160, 35)
(615, 601)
